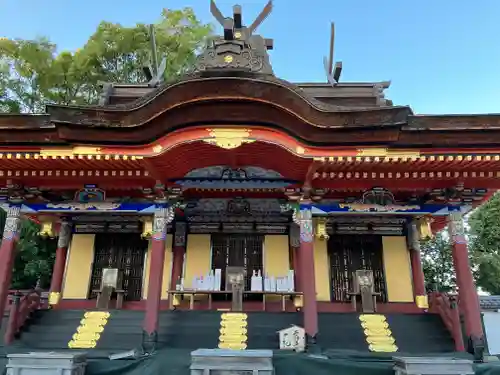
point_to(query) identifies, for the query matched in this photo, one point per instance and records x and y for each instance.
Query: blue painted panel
(358, 208)
(145, 208)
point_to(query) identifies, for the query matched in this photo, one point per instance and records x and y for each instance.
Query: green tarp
(176, 362)
(492, 368)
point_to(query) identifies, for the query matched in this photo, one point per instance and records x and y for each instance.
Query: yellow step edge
(233, 331)
(378, 333)
(89, 331)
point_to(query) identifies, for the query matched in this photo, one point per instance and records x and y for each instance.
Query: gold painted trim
(77, 150)
(229, 138)
(422, 302)
(74, 173)
(404, 175)
(68, 154)
(300, 150)
(54, 298)
(135, 173)
(56, 152)
(384, 152)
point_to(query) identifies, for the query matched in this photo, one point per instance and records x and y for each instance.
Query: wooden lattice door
(237, 250)
(348, 253)
(124, 251)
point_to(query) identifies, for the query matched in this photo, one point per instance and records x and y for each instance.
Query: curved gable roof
(265, 89)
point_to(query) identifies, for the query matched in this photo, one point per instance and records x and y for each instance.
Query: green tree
(438, 264)
(26, 67)
(117, 54)
(484, 245)
(33, 72)
(7, 104)
(34, 255)
(484, 251)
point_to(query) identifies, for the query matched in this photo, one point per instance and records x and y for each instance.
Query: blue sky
(442, 56)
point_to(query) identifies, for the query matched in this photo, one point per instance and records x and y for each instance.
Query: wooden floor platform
(248, 306)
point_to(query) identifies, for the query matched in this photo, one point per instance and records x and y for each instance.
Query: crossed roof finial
(234, 28)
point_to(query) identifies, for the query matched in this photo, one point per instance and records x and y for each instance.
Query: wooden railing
(447, 307)
(20, 307)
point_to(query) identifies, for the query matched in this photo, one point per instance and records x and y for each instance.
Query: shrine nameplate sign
(292, 338)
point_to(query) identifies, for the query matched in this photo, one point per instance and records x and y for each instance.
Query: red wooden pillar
(467, 291)
(308, 280)
(416, 267)
(295, 249)
(60, 263)
(178, 250)
(7, 253)
(161, 219)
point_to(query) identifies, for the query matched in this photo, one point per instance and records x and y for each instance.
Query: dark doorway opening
(124, 251)
(237, 250)
(348, 253)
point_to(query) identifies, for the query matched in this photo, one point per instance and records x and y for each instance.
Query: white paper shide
(209, 282)
(212, 281)
(272, 283)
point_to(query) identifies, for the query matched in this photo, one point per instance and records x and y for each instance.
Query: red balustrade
(447, 307)
(20, 306)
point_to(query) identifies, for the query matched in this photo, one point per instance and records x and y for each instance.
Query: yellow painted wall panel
(321, 270)
(167, 269)
(79, 266)
(276, 255)
(198, 257)
(397, 269)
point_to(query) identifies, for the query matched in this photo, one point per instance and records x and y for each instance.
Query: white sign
(293, 338)
(110, 277)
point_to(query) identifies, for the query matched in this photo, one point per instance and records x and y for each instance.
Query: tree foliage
(438, 264)
(483, 235)
(34, 72)
(34, 255)
(484, 244)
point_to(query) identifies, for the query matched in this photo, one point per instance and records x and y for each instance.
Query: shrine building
(316, 194)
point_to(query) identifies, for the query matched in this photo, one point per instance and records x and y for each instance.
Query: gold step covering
(89, 331)
(233, 331)
(378, 334)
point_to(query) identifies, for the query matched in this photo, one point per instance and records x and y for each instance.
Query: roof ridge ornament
(154, 72)
(332, 72)
(238, 49)
(233, 27)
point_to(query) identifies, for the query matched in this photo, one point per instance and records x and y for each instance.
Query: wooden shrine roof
(252, 100)
(354, 94)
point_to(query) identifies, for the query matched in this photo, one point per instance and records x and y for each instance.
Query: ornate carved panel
(378, 196)
(109, 224)
(220, 176)
(366, 225)
(250, 228)
(217, 172)
(235, 210)
(180, 234)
